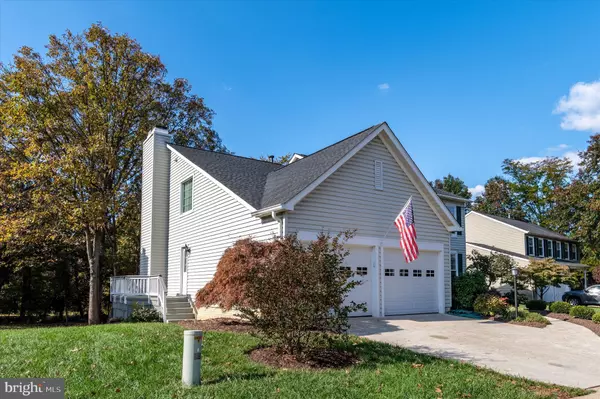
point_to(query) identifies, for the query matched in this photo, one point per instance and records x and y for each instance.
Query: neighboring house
(522, 241)
(196, 204)
(456, 205)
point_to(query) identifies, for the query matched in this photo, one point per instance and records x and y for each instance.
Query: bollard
(192, 357)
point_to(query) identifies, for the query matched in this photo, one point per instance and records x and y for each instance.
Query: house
(196, 204)
(521, 241)
(458, 253)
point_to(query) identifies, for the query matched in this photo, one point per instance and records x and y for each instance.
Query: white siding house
(196, 204)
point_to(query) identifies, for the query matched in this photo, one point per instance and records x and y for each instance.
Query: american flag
(405, 222)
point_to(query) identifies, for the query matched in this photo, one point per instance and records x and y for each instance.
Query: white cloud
(226, 88)
(528, 160)
(383, 86)
(557, 151)
(580, 109)
(477, 190)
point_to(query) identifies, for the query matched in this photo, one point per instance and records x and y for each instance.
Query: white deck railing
(122, 287)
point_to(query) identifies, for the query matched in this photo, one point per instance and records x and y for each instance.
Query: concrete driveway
(562, 353)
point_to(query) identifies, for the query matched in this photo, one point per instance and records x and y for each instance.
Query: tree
(73, 123)
(577, 210)
(533, 186)
(495, 267)
(497, 200)
(543, 273)
(453, 185)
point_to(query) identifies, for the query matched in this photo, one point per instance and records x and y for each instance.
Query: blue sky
(464, 85)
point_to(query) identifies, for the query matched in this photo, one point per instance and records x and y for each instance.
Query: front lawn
(144, 361)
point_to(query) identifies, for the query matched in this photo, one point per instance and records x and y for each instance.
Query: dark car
(589, 296)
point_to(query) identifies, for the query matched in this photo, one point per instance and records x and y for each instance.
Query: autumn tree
(453, 185)
(577, 210)
(73, 123)
(497, 199)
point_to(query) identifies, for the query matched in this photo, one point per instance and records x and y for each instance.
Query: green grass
(144, 361)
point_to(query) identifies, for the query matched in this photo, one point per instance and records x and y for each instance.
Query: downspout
(279, 221)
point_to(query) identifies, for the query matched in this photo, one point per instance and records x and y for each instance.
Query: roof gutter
(268, 211)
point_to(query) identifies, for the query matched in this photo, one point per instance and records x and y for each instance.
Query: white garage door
(359, 262)
(410, 288)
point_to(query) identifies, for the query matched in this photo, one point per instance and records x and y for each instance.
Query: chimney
(156, 164)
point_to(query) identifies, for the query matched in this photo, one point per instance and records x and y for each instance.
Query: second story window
(549, 251)
(558, 249)
(530, 246)
(186, 195)
(565, 250)
(539, 247)
(573, 252)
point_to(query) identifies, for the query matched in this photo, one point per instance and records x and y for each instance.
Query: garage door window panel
(389, 272)
(403, 272)
(417, 273)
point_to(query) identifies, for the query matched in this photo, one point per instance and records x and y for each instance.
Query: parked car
(589, 296)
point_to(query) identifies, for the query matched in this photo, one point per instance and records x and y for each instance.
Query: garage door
(359, 262)
(410, 288)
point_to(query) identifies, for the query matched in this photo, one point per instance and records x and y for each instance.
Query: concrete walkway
(562, 353)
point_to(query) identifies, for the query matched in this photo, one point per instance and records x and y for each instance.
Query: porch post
(585, 272)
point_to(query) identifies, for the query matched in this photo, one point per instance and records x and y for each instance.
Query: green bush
(560, 307)
(582, 312)
(534, 318)
(535, 304)
(596, 318)
(142, 314)
(490, 305)
(466, 288)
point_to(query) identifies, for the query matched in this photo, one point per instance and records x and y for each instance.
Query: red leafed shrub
(292, 293)
(227, 289)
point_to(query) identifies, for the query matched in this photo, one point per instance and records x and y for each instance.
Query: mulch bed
(226, 324)
(318, 359)
(590, 325)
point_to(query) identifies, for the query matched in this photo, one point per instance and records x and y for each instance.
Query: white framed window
(453, 263)
(566, 251)
(417, 273)
(539, 250)
(389, 272)
(557, 250)
(403, 272)
(378, 175)
(573, 252)
(530, 246)
(548, 247)
(430, 273)
(186, 195)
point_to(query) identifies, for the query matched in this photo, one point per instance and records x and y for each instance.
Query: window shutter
(536, 251)
(378, 175)
(459, 218)
(459, 268)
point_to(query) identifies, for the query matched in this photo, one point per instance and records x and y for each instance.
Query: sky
(464, 85)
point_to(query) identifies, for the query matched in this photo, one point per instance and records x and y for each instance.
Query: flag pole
(389, 228)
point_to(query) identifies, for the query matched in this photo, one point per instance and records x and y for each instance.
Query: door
(185, 260)
(410, 288)
(359, 263)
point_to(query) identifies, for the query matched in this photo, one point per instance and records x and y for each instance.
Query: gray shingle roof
(445, 193)
(263, 184)
(531, 228)
(246, 177)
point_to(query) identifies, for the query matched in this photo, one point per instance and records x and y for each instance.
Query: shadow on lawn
(374, 354)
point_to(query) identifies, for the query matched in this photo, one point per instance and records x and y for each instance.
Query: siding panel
(348, 200)
(482, 230)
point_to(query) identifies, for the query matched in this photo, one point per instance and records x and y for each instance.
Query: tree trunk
(95, 246)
